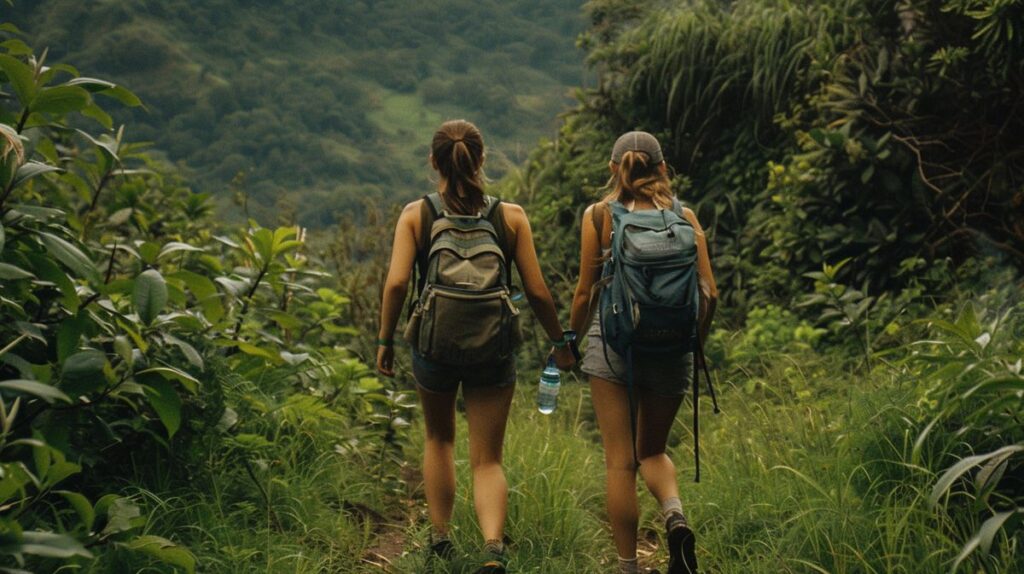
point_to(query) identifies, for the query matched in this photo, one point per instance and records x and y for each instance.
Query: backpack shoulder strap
(495, 214)
(430, 210)
(600, 214)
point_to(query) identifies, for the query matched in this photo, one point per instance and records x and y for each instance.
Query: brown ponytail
(639, 178)
(458, 152)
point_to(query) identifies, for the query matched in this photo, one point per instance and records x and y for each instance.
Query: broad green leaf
(31, 169)
(47, 270)
(16, 47)
(176, 247)
(163, 550)
(263, 244)
(205, 293)
(46, 392)
(21, 76)
(10, 272)
(99, 114)
(84, 363)
(236, 287)
(60, 100)
(59, 470)
(164, 400)
(3, 238)
(190, 352)
(70, 256)
(149, 295)
(41, 459)
(284, 319)
(45, 544)
(149, 251)
(172, 374)
(91, 84)
(294, 359)
(68, 335)
(82, 506)
(250, 349)
(120, 216)
(121, 514)
(107, 145)
(123, 348)
(123, 95)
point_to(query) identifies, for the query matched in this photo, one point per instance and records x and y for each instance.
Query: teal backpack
(649, 302)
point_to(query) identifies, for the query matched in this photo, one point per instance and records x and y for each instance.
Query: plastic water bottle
(547, 392)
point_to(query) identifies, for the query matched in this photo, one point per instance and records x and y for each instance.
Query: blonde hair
(639, 178)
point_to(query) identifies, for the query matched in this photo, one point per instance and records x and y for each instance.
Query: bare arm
(529, 271)
(590, 270)
(708, 289)
(403, 255)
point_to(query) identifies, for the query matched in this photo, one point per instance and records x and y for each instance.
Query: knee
(620, 464)
(483, 461)
(439, 440)
(654, 458)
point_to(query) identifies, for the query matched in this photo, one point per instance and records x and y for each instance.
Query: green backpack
(464, 314)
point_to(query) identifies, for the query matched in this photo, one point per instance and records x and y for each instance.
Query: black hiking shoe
(443, 549)
(682, 555)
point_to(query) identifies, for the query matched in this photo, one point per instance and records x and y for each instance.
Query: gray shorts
(440, 378)
(668, 376)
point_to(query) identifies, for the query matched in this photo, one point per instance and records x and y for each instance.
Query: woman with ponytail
(457, 155)
(639, 181)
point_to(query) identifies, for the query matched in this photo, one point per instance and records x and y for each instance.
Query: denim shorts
(441, 378)
(667, 376)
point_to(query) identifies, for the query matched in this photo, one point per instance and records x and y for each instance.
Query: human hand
(564, 358)
(386, 360)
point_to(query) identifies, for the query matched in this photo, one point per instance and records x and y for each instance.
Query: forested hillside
(312, 108)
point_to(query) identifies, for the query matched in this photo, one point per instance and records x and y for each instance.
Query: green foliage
(282, 98)
(143, 342)
(807, 135)
(971, 375)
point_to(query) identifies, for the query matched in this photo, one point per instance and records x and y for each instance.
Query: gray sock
(671, 506)
(437, 535)
(494, 547)
(628, 566)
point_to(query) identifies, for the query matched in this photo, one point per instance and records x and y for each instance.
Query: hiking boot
(682, 556)
(443, 549)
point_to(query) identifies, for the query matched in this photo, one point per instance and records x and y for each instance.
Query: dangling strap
(631, 393)
(698, 357)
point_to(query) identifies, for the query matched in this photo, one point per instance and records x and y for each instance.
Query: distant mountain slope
(313, 106)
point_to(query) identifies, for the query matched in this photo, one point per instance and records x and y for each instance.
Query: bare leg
(657, 413)
(487, 414)
(439, 456)
(611, 405)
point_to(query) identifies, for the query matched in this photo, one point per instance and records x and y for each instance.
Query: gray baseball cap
(637, 141)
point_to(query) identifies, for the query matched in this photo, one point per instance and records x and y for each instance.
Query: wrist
(385, 342)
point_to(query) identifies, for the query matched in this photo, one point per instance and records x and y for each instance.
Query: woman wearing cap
(457, 154)
(639, 181)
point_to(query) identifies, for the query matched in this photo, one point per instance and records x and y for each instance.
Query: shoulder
(691, 217)
(411, 213)
(513, 213)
